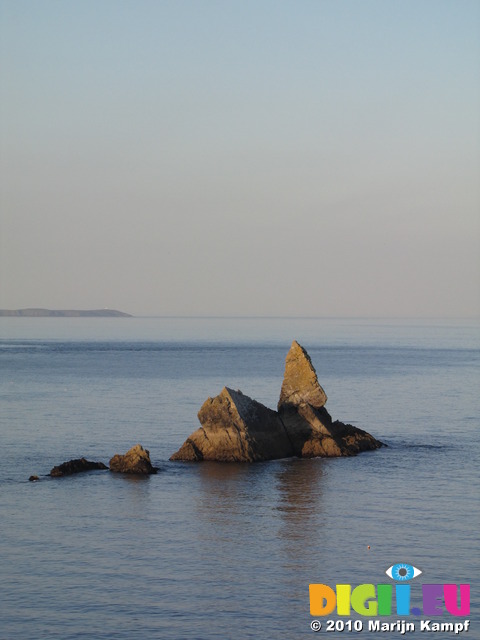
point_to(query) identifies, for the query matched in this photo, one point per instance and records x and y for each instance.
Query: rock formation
(136, 461)
(75, 466)
(309, 425)
(236, 428)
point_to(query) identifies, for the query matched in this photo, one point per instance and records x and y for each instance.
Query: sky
(241, 157)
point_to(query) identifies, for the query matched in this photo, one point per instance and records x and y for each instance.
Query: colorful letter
(384, 593)
(431, 594)
(450, 591)
(322, 599)
(343, 599)
(360, 596)
(402, 594)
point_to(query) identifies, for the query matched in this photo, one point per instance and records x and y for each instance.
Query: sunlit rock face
(135, 461)
(300, 383)
(236, 428)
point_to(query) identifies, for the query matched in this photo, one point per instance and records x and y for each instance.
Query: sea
(208, 551)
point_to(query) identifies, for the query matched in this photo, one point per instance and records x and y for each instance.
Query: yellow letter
(343, 599)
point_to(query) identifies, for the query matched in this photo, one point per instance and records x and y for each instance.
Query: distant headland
(63, 313)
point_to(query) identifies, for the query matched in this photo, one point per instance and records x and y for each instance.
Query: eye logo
(402, 572)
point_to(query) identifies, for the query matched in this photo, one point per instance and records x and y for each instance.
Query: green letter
(360, 595)
(384, 592)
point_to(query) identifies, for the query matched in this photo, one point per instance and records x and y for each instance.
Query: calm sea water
(215, 551)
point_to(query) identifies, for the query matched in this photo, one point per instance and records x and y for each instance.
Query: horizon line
(134, 315)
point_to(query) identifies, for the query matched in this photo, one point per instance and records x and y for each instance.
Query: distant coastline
(63, 313)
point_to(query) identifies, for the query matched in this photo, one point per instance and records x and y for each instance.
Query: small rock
(33, 478)
(75, 466)
(136, 460)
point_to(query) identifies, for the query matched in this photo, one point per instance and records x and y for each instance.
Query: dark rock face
(75, 466)
(314, 434)
(236, 428)
(135, 461)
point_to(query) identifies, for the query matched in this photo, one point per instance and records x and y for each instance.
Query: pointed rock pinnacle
(300, 383)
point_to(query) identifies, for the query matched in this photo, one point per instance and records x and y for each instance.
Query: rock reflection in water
(234, 493)
(299, 487)
(280, 501)
(299, 493)
(259, 524)
(238, 552)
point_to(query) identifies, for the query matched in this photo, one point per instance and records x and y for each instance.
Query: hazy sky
(237, 157)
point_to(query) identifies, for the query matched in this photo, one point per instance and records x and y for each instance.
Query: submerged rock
(75, 466)
(33, 479)
(236, 428)
(136, 461)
